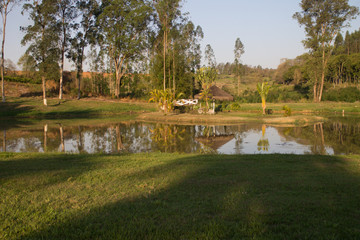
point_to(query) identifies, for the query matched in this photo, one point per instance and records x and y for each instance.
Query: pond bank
(228, 118)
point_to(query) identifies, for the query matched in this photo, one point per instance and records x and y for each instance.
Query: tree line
(332, 59)
(151, 37)
(155, 38)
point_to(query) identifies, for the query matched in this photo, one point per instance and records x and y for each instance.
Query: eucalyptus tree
(6, 6)
(210, 56)
(167, 12)
(185, 54)
(66, 14)
(238, 52)
(323, 20)
(124, 24)
(85, 35)
(42, 38)
(184, 57)
(191, 36)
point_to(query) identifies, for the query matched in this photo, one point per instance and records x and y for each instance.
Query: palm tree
(263, 90)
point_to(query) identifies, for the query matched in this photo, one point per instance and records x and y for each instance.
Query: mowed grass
(69, 108)
(314, 108)
(175, 196)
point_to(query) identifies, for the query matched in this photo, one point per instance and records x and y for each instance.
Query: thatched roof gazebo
(218, 94)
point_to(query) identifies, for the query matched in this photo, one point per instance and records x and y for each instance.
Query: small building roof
(218, 94)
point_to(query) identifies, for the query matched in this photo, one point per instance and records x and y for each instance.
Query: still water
(338, 136)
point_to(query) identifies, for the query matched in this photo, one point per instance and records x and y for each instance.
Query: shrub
(348, 94)
(235, 106)
(287, 110)
(21, 79)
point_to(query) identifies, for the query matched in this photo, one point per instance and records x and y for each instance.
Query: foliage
(124, 26)
(210, 56)
(234, 106)
(177, 55)
(165, 99)
(238, 52)
(323, 20)
(263, 90)
(287, 111)
(41, 37)
(85, 34)
(347, 94)
(22, 80)
(206, 76)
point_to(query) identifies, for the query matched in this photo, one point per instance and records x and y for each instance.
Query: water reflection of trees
(343, 137)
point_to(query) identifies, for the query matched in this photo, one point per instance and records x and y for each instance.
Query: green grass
(323, 107)
(34, 108)
(174, 196)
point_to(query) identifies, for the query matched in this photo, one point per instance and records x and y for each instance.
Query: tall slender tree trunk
(322, 74)
(79, 77)
(2, 55)
(174, 71)
(239, 80)
(80, 72)
(44, 90)
(164, 58)
(62, 65)
(263, 105)
(61, 81)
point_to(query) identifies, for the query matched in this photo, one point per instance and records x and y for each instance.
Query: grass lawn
(323, 107)
(69, 108)
(175, 196)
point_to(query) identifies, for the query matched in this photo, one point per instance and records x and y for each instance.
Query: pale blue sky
(265, 27)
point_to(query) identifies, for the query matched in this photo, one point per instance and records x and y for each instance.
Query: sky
(266, 28)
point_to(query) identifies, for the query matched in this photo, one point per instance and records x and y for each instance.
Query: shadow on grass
(65, 166)
(13, 109)
(32, 94)
(219, 197)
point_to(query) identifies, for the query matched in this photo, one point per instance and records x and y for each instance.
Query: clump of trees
(323, 20)
(130, 43)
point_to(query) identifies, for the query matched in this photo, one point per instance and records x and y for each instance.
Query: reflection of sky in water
(277, 144)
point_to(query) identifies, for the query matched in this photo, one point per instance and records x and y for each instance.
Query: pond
(338, 136)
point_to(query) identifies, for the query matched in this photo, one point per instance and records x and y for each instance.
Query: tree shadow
(13, 109)
(32, 94)
(222, 197)
(65, 166)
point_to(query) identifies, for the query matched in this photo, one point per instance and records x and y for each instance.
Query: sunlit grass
(174, 196)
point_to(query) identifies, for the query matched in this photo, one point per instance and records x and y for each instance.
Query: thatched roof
(218, 94)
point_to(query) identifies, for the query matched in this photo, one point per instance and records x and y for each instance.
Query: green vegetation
(263, 90)
(31, 107)
(287, 111)
(20, 79)
(306, 107)
(173, 196)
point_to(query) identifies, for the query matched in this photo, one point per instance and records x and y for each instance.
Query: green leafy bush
(287, 110)
(348, 94)
(21, 79)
